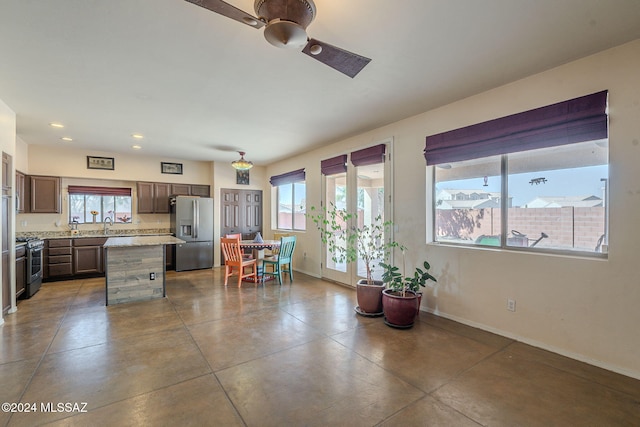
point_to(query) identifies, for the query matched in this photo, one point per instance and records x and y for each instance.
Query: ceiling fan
(285, 23)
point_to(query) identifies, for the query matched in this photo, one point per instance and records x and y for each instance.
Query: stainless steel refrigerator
(192, 221)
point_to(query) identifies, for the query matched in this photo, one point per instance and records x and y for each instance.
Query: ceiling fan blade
(224, 8)
(339, 59)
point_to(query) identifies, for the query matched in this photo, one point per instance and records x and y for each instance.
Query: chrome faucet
(105, 221)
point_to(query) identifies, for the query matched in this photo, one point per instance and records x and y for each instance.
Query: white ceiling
(200, 86)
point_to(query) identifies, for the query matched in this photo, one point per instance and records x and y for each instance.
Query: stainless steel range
(34, 249)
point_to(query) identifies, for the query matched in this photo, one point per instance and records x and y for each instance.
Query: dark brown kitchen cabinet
(153, 197)
(44, 194)
(6, 217)
(88, 255)
(169, 251)
(58, 257)
(200, 190)
(21, 270)
(190, 190)
(180, 190)
(20, 192)
(67, 258)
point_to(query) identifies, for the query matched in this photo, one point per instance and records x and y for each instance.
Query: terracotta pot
(399, 311)
(369, 296)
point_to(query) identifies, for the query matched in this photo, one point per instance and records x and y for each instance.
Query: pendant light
(242, 164)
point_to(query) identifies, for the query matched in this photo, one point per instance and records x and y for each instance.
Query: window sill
(525, 251)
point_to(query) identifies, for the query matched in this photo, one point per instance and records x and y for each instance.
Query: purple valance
(368, 156)
(576, 120)
(288, 178)
(334, 165)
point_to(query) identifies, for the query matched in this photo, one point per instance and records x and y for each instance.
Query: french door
(363, 186)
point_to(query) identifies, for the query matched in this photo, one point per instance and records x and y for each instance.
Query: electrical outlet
(152, 276)
(511, 305)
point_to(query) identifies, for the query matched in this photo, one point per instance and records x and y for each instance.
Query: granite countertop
(120, 242)
(48, 235)
(86, 236)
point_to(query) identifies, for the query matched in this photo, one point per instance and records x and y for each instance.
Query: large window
(291, 195)
(554, 199)
(539, 181)
(97, 204)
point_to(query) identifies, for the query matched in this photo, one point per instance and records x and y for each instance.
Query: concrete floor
(289, 355)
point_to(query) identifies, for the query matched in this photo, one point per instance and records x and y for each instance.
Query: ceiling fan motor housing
(287, 21)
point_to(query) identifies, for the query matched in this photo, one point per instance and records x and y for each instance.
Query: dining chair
(246, 254)
(281, 262)
(278, 236)
(233, 259)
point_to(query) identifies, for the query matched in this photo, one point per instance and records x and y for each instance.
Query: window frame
(293, 210)
(107, 199)
(504, 224)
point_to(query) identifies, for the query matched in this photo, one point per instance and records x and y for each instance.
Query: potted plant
(348, 243)
(401, 299)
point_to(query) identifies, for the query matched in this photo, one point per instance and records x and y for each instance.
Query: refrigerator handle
(195, 218)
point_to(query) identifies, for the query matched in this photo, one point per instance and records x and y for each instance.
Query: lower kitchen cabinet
(88, 256)
(57, 258)
(169, 251)
(21, 270)
(66, 258)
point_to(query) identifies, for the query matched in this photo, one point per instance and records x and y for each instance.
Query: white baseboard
(542, 345)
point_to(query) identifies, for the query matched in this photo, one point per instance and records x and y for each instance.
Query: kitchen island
(135, 267)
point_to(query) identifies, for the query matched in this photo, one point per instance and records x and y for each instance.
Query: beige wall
(8, 145)
(584, 308)
(71, 162)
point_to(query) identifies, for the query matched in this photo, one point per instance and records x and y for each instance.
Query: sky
(564, 182)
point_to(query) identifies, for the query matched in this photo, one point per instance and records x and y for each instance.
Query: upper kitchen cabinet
(44, 194)
(180, 190)
(20, 192)
(200, 190)
(190, 190)
(153, 197)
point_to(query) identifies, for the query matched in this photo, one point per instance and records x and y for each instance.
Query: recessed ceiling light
(136, 147)
(137, 136)
(56, 125)
(66, 138)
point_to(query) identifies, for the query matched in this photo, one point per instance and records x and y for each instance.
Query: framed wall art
(242, 177)
(107, 163)
(173, 168)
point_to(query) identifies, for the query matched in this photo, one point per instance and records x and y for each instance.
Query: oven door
(34, 265)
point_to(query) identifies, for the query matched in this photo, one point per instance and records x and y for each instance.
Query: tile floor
(291, 355)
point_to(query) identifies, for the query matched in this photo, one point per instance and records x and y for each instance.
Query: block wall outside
(568, 227)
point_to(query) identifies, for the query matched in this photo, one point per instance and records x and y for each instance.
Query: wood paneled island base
(135, 268)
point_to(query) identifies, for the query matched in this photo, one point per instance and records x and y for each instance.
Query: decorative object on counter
(242, 177)
(94, 213)
(106, 163)
(172, 168)
(124, 218)
(258, 238)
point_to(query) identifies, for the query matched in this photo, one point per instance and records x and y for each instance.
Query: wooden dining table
(257, 249)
